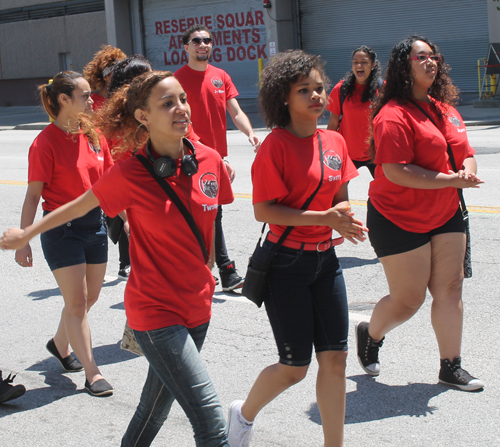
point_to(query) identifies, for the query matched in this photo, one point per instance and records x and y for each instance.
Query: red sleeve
(40, 161)
(267, 172)
(231, 91)
(394, 141)
(334, 100)
(108, 159)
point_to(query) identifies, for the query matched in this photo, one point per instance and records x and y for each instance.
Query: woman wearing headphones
(65, 160)
(167, 302)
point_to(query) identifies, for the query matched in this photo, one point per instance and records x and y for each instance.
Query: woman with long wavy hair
(350, 103)
(415, 222)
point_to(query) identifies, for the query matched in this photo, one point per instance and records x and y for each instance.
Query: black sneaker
(216, 280)
(367, 349)
(124, 273)
(8, 391)
(452, 374)
(229, 278)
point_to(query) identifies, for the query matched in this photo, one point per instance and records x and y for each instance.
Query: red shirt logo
(209, 185)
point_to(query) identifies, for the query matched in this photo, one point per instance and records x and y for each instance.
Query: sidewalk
(35, 118)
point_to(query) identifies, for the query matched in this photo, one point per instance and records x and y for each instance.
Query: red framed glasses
(423, 57)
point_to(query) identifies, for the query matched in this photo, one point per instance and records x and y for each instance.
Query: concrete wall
(494, 20)
(31, 48)
(29, 51)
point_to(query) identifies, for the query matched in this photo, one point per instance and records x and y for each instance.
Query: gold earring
(135, 135)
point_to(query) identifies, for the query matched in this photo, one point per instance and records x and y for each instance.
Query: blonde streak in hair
(88, 128)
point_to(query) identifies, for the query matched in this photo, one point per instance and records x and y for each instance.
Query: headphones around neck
(166, 166)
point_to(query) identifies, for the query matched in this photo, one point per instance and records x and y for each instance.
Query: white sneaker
(239, 433)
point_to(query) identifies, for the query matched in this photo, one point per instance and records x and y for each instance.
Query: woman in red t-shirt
(65, 160)
(416, 226)
(99, 70)
(168, 296)
(306, 301)
(350, 102)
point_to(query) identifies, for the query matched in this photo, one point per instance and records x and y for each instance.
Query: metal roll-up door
(238, 30)
(334, 28)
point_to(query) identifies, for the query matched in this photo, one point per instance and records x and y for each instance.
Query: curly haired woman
(416, 226)
(352, 99)
(99, 70)
(306, 301)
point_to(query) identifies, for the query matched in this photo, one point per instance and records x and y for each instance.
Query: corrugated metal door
(238, 30)
(333, 28)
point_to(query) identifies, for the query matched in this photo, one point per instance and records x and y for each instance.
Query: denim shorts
(388, 239)
(80, 241)
(306, 303)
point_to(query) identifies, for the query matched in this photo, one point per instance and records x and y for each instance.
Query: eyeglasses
(198, 40)
(423, 57)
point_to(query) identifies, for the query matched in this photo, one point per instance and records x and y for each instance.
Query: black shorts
(388, 239)
(80, 241)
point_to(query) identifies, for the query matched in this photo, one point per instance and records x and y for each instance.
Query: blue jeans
(176, 372)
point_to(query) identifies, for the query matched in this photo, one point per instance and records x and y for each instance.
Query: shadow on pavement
(373, 401)
(49, 293)
(59, 386)
(351, 261)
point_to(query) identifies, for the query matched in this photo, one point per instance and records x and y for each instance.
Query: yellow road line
(472, 209)
(13, 182)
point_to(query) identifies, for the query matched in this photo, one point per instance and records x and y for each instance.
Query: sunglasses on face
(199, 40)
(423, 58)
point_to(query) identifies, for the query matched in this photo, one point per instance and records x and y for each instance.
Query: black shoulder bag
(255, 287)
(129, 343)
(465, 213)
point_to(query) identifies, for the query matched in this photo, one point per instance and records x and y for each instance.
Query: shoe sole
(236, 286)
(365, 369)
(474, 387)
(67, 370)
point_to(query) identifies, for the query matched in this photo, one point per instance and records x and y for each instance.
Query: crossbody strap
(465, 213)
(178, 202)
(304, 206)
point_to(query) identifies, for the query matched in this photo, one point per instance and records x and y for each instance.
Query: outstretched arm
(15, 238)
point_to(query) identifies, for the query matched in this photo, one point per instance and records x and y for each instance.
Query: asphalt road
(404, 406)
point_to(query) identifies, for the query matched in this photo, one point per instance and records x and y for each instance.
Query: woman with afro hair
(306, 299)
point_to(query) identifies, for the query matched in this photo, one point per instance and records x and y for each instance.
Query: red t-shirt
(66, 164)
(98, 101)
(287, 168)
(207, 93)
(404, 135)
(169, 282)
(355, 125)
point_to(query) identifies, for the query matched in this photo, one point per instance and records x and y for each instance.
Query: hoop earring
(135, 135)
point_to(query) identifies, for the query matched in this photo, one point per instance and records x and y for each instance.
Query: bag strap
(178, 202)
(304, 206)
(465, 213)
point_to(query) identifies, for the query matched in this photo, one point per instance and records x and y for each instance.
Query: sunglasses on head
(423, 57)
(199, 40)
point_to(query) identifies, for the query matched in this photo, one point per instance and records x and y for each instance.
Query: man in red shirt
(210, 91)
